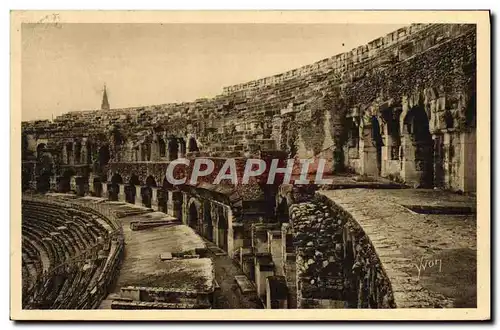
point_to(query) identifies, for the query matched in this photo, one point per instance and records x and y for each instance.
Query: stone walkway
(230, 296)
(430, 258)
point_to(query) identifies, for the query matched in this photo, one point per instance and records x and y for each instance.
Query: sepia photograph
(168, 165)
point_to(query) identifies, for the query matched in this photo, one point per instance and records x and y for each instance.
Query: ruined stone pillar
(76, 155)
(238, 237)
(121, 193)
(386, 150)
(154, 198)
(408, 170)
(139, 153)
(155, 150)
(170, 203)
(138, 196)
(65, 155)
(91, 183)
(84, 152)
(368, 152)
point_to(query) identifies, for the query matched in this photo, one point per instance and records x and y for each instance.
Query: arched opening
(69, 153)
(130, 190)
(173, 148)
(182, 146)
(78, 152)
(162, 146)
(65, 181)
(377, 142)
(163, 196)
(147, 191)
(40, 149)
(193, 216)
(88, 154)
(146, 148)
(104, 155)
(192, 145)
(282, 215)
(352, 138)
(43, 182)
(97, 187)
(24, 146)
(208, 228)
(222, 227)
(44, 170)
(114, 187)
(26, 178)
(420, 146)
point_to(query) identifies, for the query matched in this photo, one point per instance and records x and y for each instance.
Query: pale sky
(64, 67)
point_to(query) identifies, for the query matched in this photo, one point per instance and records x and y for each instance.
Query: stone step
(244, 284)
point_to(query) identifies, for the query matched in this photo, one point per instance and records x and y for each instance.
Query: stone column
(72, 184)
(121, 193)
(386, 148)
(238, 237)
(230, 232)
(274, 240)
(170, 203)
(65, 155)
(182, 148)
(154, 198)
(368, 153)
(408, 170)
(468, 159)
(53, 183)
(138, 196)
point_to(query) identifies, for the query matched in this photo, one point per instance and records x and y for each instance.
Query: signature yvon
(424, 264)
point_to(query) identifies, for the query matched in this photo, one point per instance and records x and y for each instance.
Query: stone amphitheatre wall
(421, 76)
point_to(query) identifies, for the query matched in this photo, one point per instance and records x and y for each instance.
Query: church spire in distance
(105, 103)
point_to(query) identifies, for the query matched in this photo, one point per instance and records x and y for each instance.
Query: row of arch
(387, 130)
(209, 220)
(78, 152)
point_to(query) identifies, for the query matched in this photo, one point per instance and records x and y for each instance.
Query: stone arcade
(399, 111)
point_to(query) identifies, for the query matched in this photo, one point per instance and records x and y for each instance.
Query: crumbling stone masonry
(336, 266)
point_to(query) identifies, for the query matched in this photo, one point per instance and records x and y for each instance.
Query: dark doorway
(114, 187)
(130, 190)
(417, 129)
(222, 230)
(97, 187)
(147, 191)
(193, 216)
(104, 155)
(208, 228)
(377, 142)
(43, 182)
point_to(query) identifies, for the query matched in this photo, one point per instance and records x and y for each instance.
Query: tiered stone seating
(70, 254)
